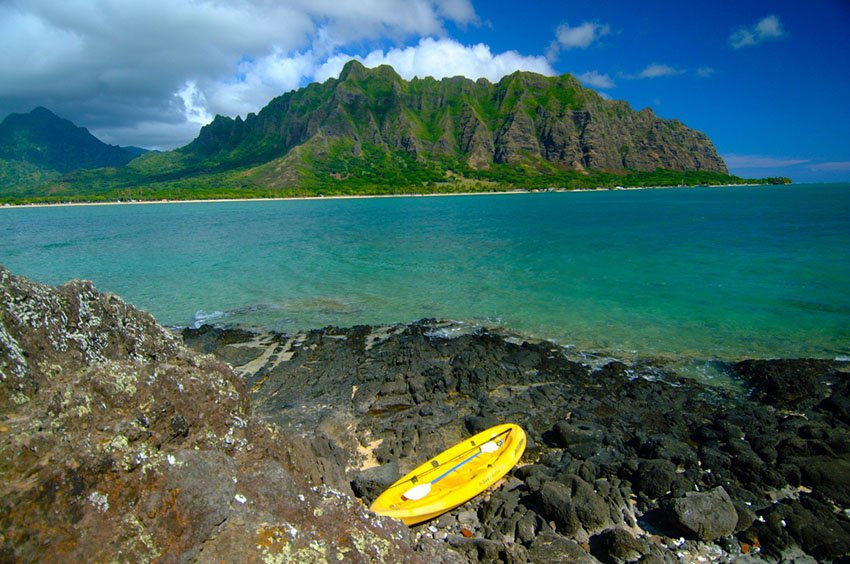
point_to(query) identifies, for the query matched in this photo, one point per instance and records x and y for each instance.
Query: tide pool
(701, 273)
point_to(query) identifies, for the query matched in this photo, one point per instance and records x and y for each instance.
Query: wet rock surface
(625, 462)
(117, 443)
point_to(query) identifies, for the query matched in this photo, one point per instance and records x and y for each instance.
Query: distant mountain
(370, 131)
(45, 141)
(135, 151)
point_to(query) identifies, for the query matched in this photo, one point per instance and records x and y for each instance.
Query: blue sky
(766, 80)
(774, 102)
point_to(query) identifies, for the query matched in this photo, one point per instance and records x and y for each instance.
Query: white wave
(206, 317)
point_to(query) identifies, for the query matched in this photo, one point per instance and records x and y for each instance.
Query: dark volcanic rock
(574, 507)
(370, 483)
(116, 440)
(704, 515)
(617, 546)
(655, 478)
(549, 547)
(791, 384)
(611, 447)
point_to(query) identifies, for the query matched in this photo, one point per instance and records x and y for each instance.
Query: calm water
(701, 273)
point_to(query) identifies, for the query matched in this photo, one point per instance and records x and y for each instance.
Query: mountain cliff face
(524, 119)
(44, 140)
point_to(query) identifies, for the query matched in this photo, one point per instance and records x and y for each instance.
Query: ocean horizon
(717, 273)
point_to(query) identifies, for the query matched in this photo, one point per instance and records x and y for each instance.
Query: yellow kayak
(453, 476)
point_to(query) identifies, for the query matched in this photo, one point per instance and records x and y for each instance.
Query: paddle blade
(418, 492)
(489, 446)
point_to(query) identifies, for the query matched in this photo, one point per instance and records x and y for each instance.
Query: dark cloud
(119, 66)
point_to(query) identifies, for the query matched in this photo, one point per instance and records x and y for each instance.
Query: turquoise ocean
(697, 273)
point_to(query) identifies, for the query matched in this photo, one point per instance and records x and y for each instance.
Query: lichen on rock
(119, 443)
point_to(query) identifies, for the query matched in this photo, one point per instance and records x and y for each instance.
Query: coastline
(366, 196)
(621, 457)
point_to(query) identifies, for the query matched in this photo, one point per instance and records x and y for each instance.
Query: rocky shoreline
(625, 462)
(120, 441)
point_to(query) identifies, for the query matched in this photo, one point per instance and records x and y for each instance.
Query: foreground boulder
(705, 515)
(118, 443)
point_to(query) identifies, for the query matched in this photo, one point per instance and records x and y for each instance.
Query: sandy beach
(355, 196)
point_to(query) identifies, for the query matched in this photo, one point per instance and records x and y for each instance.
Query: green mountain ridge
(524, 119)
(48, 141)
(370, 132)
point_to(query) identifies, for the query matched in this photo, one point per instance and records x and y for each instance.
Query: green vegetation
(44, 140)
(336, 171)
(777, 180)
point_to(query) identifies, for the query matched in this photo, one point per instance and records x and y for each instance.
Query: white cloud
(596, 80)
(580, 36)
(460, 11)
(258, 81)
(655, 71)
(194, 104)
(442, 58)
(767, 28)
(760, 161)
(706, 72)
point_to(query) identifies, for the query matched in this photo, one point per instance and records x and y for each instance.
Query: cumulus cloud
(581, 36)
(259, 80)
(706, 72)
(596, 80)
(130, 65)
(442, 58)
(578, 37)
(194, 103)
(766, 29)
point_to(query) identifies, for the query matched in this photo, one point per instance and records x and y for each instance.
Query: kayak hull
(454, 476)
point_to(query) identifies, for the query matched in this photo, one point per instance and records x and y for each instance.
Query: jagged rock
(574, 506)
(805, 522)
(118, 443)
(704, 515)
(485, 550)
(370, 483)
(616, 546)
(551, 547)
(655, 477)
(789, 383)
(568, 434)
